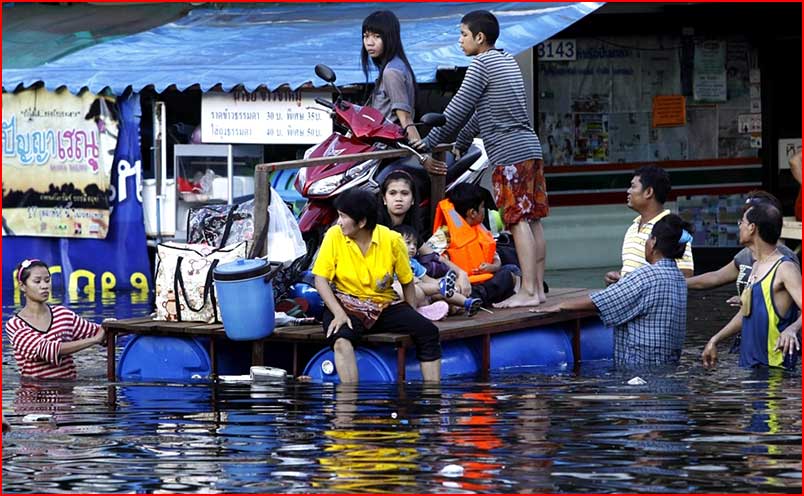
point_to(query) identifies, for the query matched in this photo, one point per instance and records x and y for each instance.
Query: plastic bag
(285, 242)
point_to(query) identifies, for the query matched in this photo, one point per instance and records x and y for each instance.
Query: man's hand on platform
(338, 320)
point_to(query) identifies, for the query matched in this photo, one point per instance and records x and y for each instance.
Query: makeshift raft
(505, 339)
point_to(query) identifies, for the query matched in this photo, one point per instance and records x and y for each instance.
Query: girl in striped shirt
(44, 337)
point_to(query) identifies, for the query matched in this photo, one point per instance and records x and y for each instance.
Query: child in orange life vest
(429, 289)
(468, 247)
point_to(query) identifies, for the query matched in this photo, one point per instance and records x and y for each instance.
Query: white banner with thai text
(263, 117)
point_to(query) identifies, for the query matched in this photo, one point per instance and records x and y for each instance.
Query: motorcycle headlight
(325, 186)
(358, 170)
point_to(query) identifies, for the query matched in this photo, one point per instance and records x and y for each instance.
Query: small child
(429, 289)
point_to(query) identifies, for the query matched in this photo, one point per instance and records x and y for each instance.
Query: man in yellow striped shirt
(647, 194)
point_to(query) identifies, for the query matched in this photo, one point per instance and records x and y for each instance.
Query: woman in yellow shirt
(354, 272)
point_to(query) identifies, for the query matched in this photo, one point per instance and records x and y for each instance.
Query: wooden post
(295, 359)
(438, 185)
(400, 363)
(262, 196)
(110, 358)
(257, 357)
(111, 396)
(213, 361)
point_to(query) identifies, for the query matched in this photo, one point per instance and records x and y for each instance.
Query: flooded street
(685, 430)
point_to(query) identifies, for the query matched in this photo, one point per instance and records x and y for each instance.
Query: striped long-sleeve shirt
(37, 352)
(491, 103)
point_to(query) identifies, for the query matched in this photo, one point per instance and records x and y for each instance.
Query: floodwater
(685, 430)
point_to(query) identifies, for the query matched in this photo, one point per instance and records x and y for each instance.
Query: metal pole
(262, 196)
(229, 175)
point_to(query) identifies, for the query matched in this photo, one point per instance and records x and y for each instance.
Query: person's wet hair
(668, 232)
(768, 220)
(25, 268)
(483, 21)
(358, 204)
(652, 176)
(465, 196)
(386, 24)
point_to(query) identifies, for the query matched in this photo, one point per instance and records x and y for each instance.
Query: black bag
(220, 225)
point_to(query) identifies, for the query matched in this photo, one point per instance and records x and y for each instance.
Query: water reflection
(365, 449)
(685, 430)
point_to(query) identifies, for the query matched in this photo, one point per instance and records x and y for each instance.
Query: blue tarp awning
(275, 45)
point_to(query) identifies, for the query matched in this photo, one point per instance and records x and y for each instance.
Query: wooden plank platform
(456, 327)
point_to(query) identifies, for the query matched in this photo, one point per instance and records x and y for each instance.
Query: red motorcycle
(359, 129)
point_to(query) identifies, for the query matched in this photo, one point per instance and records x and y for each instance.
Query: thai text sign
(669, 111)
(57, 157)
(709, 66)
(262, 117)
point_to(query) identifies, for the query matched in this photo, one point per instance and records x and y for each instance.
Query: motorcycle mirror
(434, 119)
(325, 73)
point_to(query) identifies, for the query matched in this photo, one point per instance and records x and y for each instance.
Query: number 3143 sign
(563, 49)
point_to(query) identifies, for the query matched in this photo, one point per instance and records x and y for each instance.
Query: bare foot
(519, 300)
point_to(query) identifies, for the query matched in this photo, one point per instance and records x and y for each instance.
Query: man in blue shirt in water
(648, 309)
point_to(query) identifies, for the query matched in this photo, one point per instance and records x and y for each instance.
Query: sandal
(471, 306)
(446, 285)
(434, 311)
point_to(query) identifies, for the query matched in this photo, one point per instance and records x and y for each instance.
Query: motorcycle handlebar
(325, 103)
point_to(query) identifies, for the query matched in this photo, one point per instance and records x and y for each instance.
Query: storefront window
(599, 108)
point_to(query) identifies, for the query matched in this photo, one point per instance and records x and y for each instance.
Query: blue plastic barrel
(549, 347)
(459, 358)
(163, 400)
(597, 340)
(180, 359)
(164, 358)
(246, 299)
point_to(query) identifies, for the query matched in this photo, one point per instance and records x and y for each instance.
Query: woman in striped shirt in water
(44, 337)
